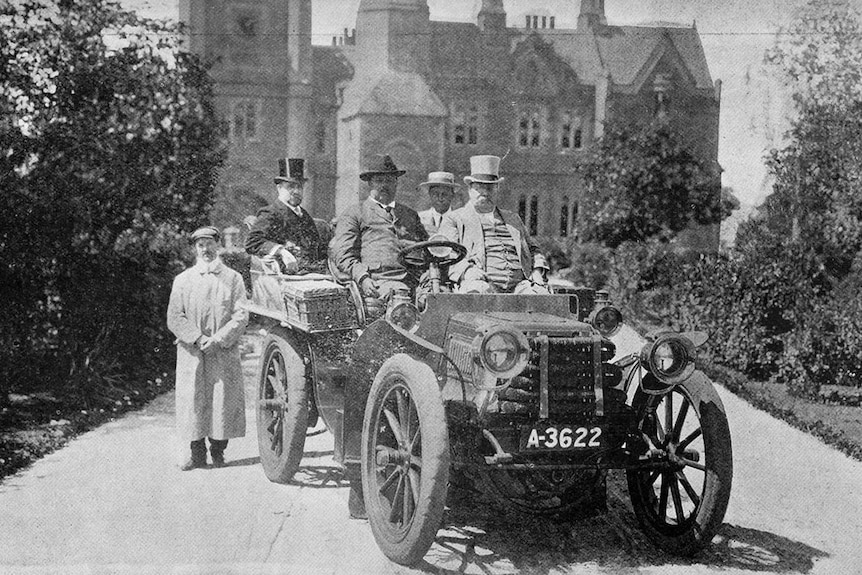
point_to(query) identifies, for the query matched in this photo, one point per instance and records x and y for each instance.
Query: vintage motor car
(518, 393)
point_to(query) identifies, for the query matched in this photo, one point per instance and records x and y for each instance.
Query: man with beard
(501, 256)
(369, 235)
(206, 315)
(284, 230)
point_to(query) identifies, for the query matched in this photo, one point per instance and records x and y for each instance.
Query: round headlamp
(607, 320)
(404, 315)
(670, 358)
(503, 352)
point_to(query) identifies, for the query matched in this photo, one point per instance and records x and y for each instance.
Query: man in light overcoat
(501, 255)
(207, 318)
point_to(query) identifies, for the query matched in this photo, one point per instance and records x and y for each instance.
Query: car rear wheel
(681, 505)
(282, 413)
(405, 459)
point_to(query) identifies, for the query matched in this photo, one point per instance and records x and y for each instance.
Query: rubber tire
(281, 467)
(698, 529)
(406, 546)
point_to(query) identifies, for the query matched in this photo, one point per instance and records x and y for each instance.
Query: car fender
(378, 342)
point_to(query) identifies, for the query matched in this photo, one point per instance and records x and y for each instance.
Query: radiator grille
(576, 375)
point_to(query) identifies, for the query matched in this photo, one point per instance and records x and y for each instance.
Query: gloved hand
(369, 287)
(288, 260)
(539, 276)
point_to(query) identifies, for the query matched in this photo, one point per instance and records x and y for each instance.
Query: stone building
(431, 94)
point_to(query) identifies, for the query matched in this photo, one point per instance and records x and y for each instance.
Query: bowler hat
(380, 164)
(440, 179)
(206, 232)
(291, 170)
(484, 169)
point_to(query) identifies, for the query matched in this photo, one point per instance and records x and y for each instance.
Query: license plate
(561, 438)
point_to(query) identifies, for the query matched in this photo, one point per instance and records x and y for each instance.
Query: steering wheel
(420, 255)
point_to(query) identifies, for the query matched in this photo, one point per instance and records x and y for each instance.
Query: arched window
(522, 208)
(534, 215)
(571, 135)
(320, 136)
(564, 217)
(465, 124)
(573, 227)
(245, 120)
(530, 128)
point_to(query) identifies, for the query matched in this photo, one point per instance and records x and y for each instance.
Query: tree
(817, 176)
(109, 147)
(645, 184)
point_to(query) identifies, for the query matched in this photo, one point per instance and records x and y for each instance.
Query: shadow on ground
(320, 477)
(476, 538)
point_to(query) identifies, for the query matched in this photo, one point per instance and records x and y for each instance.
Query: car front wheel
(405, 458)
(680, 503)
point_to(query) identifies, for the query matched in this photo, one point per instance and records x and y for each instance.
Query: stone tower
(388, 105)
(592, 14)
(262, 68)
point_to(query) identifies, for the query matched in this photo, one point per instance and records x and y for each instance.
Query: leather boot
(355, 499)
(217, 447)
(198, 458)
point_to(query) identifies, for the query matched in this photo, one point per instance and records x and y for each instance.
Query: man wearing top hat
(441, 188)
(206, 315)
(369, 235)
(501, 256)
(283, 229)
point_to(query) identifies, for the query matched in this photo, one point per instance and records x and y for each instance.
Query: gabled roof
(392, 94)
(331, 66)
(624, 51)
(626, 54)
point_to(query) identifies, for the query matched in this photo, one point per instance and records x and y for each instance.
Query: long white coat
(209, 387)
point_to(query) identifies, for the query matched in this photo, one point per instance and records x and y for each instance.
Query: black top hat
(291, 170)
(380, 164)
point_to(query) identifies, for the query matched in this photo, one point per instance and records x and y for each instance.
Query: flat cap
(206, 232)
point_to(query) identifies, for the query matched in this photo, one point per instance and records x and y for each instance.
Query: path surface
(113, 501)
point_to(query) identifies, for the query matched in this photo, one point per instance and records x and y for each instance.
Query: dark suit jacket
(276, 225)
(367, 239)
(464, 227)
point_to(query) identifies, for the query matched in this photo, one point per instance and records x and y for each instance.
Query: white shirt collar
(212, 267)
(390, 205)
(295, 209)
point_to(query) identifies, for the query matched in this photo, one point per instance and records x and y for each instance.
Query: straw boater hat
(440, 179)
(380, 164)
(291, 170)
(206, 232)
(484, 169)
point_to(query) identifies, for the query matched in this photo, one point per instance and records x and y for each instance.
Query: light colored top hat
(484, 169)
(440, 179)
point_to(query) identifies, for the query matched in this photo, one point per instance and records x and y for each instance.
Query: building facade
(431, 94)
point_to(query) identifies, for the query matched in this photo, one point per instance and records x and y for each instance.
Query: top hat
(206, 232)
(484, 169)
(440, 179)
(291, 170)
(380, 164)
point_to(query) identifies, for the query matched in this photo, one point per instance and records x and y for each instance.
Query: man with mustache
(368, 236)
(284, 230)
(501, 256)
(206, 315)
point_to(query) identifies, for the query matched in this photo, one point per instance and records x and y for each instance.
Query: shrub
(110, 147)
